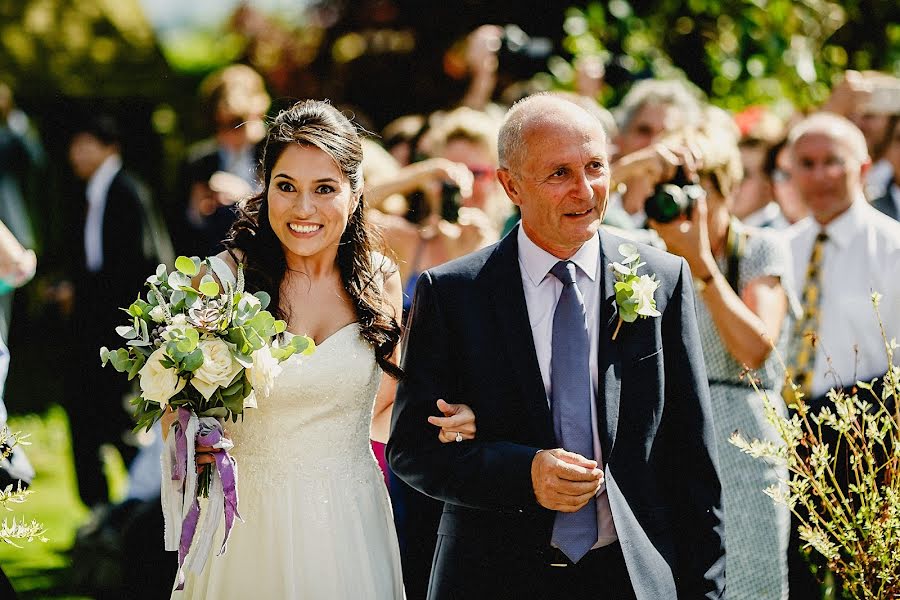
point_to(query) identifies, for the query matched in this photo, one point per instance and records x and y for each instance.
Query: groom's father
(593, 472)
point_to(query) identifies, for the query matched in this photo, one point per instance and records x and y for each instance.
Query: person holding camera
(742, 310)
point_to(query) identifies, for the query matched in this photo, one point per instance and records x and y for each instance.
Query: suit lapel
(609, 355)
(503, 282)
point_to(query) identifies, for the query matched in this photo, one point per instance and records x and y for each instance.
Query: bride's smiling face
(310, 201)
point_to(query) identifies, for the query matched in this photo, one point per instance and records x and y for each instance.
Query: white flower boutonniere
(634, 293)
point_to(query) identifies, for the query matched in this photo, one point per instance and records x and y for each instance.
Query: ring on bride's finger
(458, 436)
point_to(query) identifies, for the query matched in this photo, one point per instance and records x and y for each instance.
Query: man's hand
(564, 481)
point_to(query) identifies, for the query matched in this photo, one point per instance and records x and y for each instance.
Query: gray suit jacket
(886, 204)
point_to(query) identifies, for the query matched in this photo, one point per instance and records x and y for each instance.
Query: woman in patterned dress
(742, 309)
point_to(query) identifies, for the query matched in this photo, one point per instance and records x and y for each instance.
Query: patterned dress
(756, 529)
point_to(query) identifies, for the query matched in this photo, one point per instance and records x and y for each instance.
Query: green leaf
(161, 272)
(236, 387)
(185, 265)
(126, 332)
(303, 344)
(192, 361)
(136, 366)
(222, 270)
(280, 326)
(209, 288)
(234, 403)
(629, 316)
(264, 299)
(104, 355)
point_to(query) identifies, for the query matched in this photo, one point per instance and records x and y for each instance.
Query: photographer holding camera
(741, 308)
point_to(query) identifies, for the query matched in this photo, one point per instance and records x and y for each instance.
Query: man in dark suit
(593, 471)
(114, 248)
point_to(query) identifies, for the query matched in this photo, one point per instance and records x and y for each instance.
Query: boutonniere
(634, 293)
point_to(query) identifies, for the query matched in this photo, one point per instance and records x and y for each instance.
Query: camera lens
(667, 203)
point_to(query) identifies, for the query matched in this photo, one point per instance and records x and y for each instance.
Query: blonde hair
(465, 124)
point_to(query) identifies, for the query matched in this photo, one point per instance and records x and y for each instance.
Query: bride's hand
(458, 419)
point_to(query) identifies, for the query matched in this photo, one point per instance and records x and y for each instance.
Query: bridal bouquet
(204, 353)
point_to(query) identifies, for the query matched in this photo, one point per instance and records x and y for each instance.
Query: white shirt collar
(101, 179)
(537, 262)
(843, 228)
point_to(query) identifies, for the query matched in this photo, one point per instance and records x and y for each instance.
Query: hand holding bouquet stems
(206, 350)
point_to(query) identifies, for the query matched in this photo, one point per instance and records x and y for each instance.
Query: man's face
(87, 153)
(560, 182)
(649, 122)
(826, 175)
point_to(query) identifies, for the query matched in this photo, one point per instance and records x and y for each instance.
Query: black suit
(94, 394)
(469, 341)
(886, 204)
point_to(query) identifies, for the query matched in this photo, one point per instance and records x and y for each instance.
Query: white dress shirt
(97, 189)
(862, 255)
(542, 291)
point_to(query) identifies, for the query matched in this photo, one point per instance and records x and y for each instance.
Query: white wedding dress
(317, 518)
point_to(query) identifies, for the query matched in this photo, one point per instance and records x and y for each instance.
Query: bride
(317, 518)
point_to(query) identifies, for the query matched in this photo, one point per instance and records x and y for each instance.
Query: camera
(522, 55)
(673, 198)
(451, 198)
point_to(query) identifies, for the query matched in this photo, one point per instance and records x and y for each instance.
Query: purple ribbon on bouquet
(209, 434)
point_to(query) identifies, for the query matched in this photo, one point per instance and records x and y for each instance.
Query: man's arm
(476, 473)
(698, 528)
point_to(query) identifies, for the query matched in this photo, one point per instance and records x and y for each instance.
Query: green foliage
(852, 520)
(14, 532)
(739, 52)
(634, 293)
(178, 328)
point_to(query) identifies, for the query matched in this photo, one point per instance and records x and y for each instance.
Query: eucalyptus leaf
(280, 326)
(126, 331)
(222, 270)
(185, 265)
(264, 299)
(209, 288)
(104, 355)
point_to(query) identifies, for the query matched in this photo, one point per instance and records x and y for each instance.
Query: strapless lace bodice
(316, 421)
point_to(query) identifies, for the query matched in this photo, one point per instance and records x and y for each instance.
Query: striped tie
(803, 350)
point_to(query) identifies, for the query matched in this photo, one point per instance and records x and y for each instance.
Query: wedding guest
(842, 253)
(778, 170)
(870, 99)
(221, 170)
(17, 266)
(114, 248)
(594, 470)
(651, 109)
(317, 519)
(741, 306)
(462, 210)
(754, 199)
(889, 202)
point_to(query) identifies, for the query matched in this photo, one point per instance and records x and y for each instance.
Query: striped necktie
(803, 343)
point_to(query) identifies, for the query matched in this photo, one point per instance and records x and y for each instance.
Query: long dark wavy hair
(252, 241)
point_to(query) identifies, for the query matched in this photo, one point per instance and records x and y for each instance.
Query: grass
(40, 570)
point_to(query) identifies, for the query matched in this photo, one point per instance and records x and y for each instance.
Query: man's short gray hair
(837, 128)
(511, 139)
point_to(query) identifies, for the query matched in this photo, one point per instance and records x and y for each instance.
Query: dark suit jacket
(130, 254)
(886, 204)
(469, 341)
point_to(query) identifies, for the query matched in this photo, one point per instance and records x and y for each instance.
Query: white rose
(158, 383)
(218, 368)
(643, 290)
(157, 314)
(263, 372)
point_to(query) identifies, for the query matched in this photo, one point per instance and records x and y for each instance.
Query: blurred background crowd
(129, 130)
